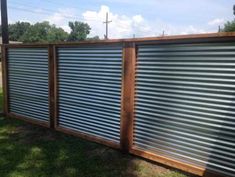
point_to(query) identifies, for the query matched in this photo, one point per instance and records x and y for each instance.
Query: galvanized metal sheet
(184, 105)
(28, 82)
(90, 90)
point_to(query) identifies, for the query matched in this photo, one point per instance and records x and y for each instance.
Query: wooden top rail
(162, 39)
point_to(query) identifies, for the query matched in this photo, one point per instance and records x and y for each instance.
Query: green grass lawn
(31, 151)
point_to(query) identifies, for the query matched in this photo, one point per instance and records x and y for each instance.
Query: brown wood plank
(169, 162)
(207, 37)
(51, 84)
(88, 137)
(56, 95)
(29, 120)
(5, 81)
(128, 88)
(175, 164)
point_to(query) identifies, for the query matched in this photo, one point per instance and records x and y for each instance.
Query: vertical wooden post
(5, 80)
(128, 89)
(55, 64)
(51, 85)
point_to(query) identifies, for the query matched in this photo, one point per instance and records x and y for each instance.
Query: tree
(44, 32)
(229, 26)
(95, 38)
(79, 31)
(36, 33)
(17, 30)
(56, 34)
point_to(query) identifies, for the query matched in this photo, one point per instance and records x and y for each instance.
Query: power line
(46, 12)
(63, 4)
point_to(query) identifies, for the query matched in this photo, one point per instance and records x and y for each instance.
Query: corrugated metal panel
(184, 106)
(90, 90)
(28, 82)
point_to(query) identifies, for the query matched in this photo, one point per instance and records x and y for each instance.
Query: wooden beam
(168, 161)
(5, 37)
(5, 80)
(29, 120)
(88, 137)
(191, 38)
(55, 73)
(128, 89)
(175, 164)
(51, 85)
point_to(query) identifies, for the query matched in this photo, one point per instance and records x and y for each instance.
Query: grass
(31, 151)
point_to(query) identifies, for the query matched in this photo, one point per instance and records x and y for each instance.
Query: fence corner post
(128, 89)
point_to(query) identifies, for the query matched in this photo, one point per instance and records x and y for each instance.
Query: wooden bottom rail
(88, 137)
(174, 163)
(30, 120)
(134, 150)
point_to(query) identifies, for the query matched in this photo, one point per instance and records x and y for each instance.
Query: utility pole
(233, 9)
(5, 37)
(107, 23)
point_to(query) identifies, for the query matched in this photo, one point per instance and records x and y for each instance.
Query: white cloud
(138, 18)
(119, 26)
(62, 17)
(216, 21)
(123, 26)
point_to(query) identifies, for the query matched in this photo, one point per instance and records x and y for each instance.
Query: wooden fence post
(128, 89)
(51, 84)
(55, 73)
(5, 81)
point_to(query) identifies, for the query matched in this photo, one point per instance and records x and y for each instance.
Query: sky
(129, 18)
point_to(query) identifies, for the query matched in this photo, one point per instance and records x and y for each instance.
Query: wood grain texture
(56, 93)
(168, 161)
(128, 89)
(207, 37)
(203, 172)
(29, 120)
(51, 85)
(88, 137)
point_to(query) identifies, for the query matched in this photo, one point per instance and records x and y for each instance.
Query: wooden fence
(167, 99)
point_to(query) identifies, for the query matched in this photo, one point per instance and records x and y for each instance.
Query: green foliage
(44, 32)
(79, 31)
(95, 38)
(229, 26)
(17, 29)
(56, 34)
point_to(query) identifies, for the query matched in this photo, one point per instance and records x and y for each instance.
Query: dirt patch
(105, 153)
(138, 167)
(30, 134)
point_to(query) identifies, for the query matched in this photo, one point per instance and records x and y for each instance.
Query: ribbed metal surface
(184, 105)
(90, 90)
(28, 82)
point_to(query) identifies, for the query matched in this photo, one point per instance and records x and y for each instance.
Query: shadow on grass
(27, 150)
